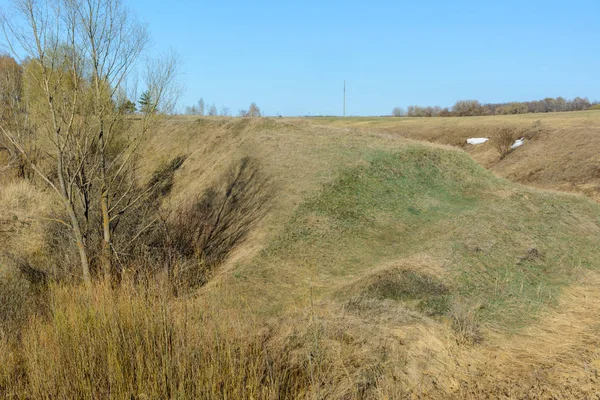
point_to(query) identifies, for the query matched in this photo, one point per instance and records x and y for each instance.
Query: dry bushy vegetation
(503, 141)
(140, 341)
(80, 211)
(192, 239)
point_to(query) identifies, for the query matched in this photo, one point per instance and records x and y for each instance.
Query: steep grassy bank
(385, 268)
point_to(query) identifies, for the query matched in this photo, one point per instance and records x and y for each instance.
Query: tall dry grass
(140, 343)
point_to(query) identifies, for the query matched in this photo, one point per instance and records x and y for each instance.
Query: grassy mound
(504, 247)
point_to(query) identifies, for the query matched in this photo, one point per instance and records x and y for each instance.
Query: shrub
(191, 240)
(503, 141)
(139, 342)
(445, 112)
(513, 108)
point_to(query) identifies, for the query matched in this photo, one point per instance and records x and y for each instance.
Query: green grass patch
(439, 202)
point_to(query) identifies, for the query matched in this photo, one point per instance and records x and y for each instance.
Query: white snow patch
(478, 140)
(518, 143)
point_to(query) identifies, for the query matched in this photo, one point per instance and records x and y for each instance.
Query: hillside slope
(385, 267)
(410, 249)
(561, 150)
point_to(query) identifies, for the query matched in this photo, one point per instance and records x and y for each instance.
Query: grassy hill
(389, 262)
(371, 227)
(560, 152)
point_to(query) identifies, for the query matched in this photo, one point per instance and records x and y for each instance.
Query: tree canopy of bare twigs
(78, 59)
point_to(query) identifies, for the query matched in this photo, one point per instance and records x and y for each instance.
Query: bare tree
(201, 107)
(11, 88)
(225, 111)
(196, 109)
(253, 111)
(398, 112)
(475, 108)
(81, 57)
(464, 108)
(111, 43)
(415, 111)
(212, 111)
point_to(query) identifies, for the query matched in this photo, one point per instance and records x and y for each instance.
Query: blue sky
(291, 57)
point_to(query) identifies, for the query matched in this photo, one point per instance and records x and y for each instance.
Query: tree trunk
(106, 242)
(106, 251)
(85, 266)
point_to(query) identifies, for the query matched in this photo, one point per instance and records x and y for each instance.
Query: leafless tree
(212, 111)
(12, 113)
(465, 108)
(398, 112)
(474, 107)
(196, 109)
(201, 106)
(82, 54)
(253, 111)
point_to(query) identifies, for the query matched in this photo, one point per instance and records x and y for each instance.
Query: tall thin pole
(344, 97)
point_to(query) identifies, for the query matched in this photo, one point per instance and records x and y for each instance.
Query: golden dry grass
(24, 213)
(303, 155)
(296, 286)
(141, 343)
(297, 158)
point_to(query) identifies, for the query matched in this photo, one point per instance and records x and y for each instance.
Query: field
(393, 260)
(560, 153)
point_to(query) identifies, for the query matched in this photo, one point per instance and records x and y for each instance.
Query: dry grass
(29, 229)
(557, 357)
(143, 343)
(560, 151)
(296, 157)
(19, 299)
(312, 303)
(137, 343)
(301, 157)
(464, 322)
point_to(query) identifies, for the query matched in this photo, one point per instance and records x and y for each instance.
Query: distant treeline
(465, 108)
(201, 109)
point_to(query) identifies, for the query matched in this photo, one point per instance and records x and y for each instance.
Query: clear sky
(291, 57)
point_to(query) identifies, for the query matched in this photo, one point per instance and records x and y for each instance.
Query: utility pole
(344, 97)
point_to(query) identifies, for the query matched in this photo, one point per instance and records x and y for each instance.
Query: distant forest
(465, 108)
